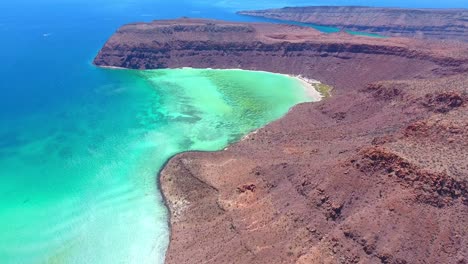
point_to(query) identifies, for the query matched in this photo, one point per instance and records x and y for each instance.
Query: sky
(258, 4)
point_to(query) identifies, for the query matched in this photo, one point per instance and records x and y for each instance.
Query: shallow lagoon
(80, 186)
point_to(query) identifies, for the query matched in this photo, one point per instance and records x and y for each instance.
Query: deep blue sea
(80, 146)
(43, 38)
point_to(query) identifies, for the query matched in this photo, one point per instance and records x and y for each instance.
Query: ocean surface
(80, 147)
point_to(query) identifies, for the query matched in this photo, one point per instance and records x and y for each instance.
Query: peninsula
(448, 24)
(377, 173)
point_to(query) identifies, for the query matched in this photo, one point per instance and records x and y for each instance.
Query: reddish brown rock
(375, 174)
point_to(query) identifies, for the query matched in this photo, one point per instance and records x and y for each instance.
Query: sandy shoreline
(309, 86)
(307, 83)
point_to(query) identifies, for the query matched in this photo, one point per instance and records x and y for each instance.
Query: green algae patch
(324, 89)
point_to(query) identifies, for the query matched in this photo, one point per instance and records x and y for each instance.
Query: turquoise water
(365, 34)
(80, 147)
(80, 186)
(321, 28)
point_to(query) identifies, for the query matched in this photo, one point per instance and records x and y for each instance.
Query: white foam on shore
(112, 67)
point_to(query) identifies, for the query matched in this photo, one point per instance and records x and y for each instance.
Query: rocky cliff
(375, 174)
(276, 48)
(449, 24)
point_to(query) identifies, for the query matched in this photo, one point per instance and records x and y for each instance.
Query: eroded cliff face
(375, 174)
(276, 48)
(449, 24)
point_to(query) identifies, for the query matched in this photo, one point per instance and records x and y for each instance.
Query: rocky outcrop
(377, 173)
(449, 24)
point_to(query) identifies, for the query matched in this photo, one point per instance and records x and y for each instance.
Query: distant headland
(448, 24)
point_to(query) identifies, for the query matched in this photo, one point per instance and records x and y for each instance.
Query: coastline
(307, 85)
(299, 190)
(311, 92)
